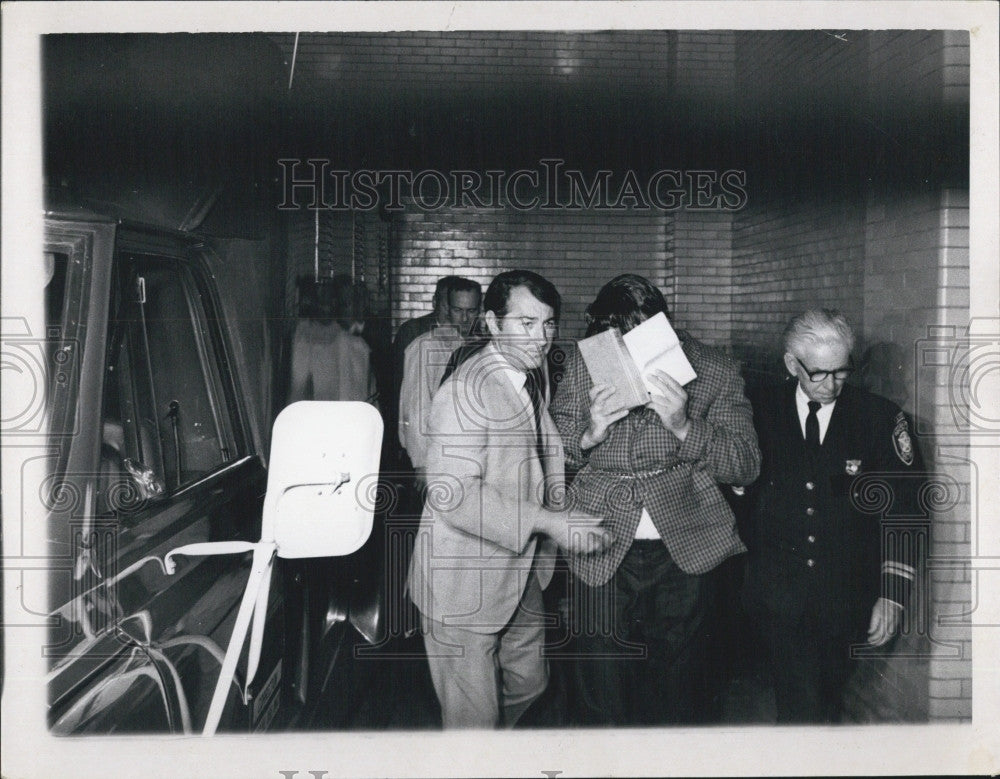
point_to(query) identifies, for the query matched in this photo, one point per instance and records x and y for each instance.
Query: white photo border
(28, 749)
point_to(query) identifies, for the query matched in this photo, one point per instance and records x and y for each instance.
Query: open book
(625, 362)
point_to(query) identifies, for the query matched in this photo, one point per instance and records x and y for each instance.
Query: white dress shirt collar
(823, 414)
(516, 377)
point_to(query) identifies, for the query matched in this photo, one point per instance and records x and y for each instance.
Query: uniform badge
(901, 440)
(851, 467)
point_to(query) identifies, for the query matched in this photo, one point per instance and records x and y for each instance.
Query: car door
(160, 457)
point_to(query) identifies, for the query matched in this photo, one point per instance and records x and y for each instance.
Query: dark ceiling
(483, 99)
(158, 117)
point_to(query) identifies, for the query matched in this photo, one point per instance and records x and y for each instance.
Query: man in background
(417, 326)
(425, 359)
(407, 332)
(823, 577)
(330, 360)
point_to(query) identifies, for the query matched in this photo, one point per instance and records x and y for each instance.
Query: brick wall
(799, 242)
(916, 297)
(702, 264)
(817, 77)
(914, 70)
(892, 253)
(705, 67)
(907, 270)
(790, 255)
(942, 390)
(515, 58)
(955, 67)
(916, 279)
(578, 252)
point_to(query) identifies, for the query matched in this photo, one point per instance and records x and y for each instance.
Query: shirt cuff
(897, 582)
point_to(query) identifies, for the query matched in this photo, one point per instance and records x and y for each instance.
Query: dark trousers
(639, 643)
(810, 667)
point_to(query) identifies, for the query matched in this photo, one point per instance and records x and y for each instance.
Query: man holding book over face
(652, 447)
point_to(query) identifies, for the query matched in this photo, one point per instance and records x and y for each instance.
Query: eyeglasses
(817, 376)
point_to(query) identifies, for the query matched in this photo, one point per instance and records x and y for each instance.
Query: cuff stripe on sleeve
(899, 569)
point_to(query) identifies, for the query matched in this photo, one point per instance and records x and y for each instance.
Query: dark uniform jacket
(821, 534)
(643, 465)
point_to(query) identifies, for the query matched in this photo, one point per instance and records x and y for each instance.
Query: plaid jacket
(641, 464)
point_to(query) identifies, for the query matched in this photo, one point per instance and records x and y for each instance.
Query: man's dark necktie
(531, 384)
(812, 425)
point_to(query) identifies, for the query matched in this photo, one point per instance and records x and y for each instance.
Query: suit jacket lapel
(789, 418)
(520, 408)
(836, 431)
(495, 368)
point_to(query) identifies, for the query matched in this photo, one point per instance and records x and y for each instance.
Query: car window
(168, 418)
(173, 469)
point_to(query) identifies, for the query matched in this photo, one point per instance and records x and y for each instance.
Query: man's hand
(604, 411)
(884, 621)
(670, 404)
(419, 479)
(582, 534)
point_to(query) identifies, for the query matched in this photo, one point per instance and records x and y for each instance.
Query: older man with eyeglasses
(825, 576)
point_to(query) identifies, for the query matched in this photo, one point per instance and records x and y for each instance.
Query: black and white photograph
(490, 389)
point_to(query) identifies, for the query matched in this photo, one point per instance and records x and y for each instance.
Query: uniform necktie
(812, 425)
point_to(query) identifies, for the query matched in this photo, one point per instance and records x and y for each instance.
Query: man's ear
(492, 323)
(790, 364)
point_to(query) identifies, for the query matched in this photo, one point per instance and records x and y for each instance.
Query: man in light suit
(484, 549)
(828, 568)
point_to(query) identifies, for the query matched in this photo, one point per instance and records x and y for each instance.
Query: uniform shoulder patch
(901, 441)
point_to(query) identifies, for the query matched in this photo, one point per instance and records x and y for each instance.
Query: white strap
(252, 606)
(206, 549)
(260, 576)
(257, 629)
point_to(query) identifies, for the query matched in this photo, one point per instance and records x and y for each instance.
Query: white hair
(818, 326)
